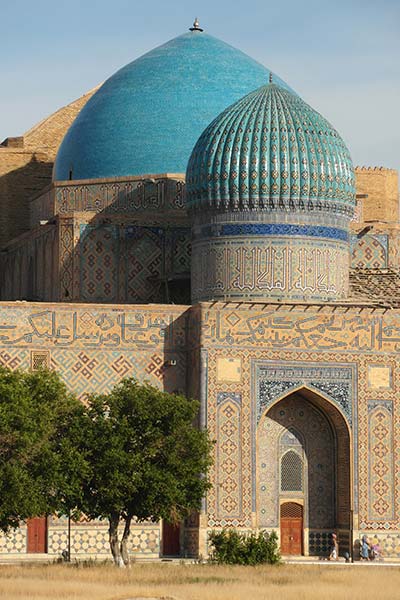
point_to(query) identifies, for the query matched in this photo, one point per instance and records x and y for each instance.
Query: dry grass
(199, 582)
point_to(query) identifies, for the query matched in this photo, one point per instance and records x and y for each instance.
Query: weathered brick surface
(48, 134)
(26, 167)
(382, 188)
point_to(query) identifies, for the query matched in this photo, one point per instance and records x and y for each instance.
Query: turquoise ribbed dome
(147, 117)
(271, 150)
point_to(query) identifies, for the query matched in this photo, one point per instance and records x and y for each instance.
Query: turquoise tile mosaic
(147, 117)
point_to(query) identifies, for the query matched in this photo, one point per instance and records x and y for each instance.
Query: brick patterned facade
(244, 361)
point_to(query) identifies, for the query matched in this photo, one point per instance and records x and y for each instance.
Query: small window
(291, 472)
(40, 360)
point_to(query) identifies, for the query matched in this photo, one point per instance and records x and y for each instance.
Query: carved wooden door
(291, 528)
(171, 539)
(37, 535)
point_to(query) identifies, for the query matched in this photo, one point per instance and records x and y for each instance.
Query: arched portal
(303, 460)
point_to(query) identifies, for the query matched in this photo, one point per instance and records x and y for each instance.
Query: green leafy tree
(41, 467)
(148, 460)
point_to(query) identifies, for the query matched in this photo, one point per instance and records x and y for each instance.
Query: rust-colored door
(37, 535)
(291, 528)
(171, 539)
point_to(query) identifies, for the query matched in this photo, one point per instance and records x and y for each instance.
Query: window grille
(291, 472)
(291, 510)
(40, 360)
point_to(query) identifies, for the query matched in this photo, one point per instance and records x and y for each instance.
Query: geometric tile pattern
(277, 380)
(95, 540)
(318, 543)
(369, 252)
(144, 264)
(94, 349)
(14, 542)
(228, 464)
(98, 264)
(380, 452)
(66, 251)
(11, 359)
(389, 542)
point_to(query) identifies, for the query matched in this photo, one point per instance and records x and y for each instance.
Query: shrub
(232, 548)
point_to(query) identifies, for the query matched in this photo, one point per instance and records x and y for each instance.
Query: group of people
(368, 550)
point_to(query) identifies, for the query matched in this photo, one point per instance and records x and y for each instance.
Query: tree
(148, 460)
(40, 464)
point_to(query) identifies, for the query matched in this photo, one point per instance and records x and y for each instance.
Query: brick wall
(382, 188)
(26, 165)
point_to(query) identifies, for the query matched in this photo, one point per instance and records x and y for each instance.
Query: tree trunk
(124, 540)
(114, 542)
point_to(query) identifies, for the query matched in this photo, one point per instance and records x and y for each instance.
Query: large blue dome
(147, 117)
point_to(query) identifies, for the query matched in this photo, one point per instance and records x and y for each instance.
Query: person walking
(334, 548)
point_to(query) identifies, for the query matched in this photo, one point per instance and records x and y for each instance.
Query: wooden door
(171, 539)
(291, 528)
(37, 535)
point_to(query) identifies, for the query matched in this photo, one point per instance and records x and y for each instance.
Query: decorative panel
(229, 468)
(369, 251)
(15, 542)
(230, 268)
(335, 382)
(99, 255)
(94, 539)
(380, 453)
(144, 264)
(66, 261)
(228, 369)
(379, 377)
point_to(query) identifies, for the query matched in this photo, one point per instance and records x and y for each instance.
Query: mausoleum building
(204, 229)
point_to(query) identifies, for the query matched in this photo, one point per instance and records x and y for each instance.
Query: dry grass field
(199, 582)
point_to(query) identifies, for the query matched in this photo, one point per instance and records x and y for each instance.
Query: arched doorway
(303, 473)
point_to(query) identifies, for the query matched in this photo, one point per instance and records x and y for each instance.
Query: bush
(232, 548)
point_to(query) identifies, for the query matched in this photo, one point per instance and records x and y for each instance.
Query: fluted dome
(270, 190)
(271, 149)
(147, 117)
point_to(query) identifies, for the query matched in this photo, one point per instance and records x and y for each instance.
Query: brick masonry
(341, 360)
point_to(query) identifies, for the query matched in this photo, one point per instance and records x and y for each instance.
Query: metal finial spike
(270, 77)
(196, 26)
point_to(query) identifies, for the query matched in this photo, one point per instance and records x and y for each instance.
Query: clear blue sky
(342, 57)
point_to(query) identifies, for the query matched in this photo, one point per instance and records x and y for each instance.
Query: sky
(342, 57)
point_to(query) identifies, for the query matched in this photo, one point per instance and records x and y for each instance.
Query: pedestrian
(334, 548)
(365, 548)
(375, 552)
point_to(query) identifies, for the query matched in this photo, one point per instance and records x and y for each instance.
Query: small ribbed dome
(270, 189)
(271, 150)
(147, 117)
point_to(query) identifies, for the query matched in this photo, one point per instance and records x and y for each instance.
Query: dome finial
(196, 26)
(270, 77)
